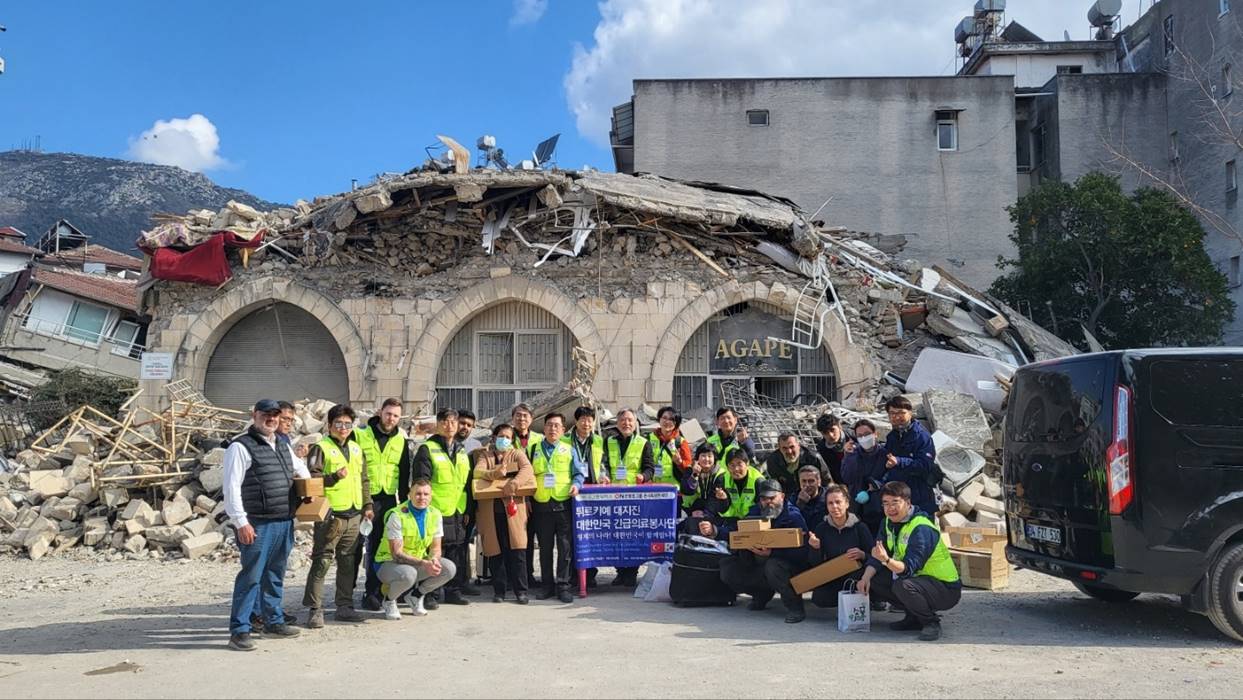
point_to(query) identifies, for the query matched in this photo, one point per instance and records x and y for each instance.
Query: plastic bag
(646, 582)
(659, 592)
(854, 612)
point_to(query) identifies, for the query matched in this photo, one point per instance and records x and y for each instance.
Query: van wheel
(1109, 595)
(1225, 592)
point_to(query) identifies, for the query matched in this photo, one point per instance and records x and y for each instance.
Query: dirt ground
(78, 627)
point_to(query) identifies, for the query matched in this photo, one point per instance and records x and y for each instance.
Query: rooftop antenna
(489, 154)
(1103, 15)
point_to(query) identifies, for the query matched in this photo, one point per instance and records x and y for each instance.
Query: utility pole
(2, 29)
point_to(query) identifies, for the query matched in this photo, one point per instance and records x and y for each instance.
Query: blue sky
(299, 97)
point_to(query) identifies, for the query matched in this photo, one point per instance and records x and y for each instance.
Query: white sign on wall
(156, 365)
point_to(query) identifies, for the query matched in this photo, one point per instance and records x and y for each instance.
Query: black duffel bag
(696, 578)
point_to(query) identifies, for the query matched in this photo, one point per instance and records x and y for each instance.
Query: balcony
(56, 346)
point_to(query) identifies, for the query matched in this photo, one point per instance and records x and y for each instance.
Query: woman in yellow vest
(670, 451)
(411, 565)
(910, 565)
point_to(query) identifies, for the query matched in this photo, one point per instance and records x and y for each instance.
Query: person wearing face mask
(670, 451)
(838, 533)
(911, 456)
(831, 445)
(628, 462)
(863, 471)
(703, 491)
(761, 572)
(526, 439)
(503, 524)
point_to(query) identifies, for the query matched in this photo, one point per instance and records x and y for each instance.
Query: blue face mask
(503, 444)
(862, 497)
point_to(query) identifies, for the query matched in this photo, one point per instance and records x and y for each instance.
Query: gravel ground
(73, 626)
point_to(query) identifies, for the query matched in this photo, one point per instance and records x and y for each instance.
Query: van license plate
(1045, 534)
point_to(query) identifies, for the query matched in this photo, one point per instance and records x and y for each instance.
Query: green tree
(1131, 269)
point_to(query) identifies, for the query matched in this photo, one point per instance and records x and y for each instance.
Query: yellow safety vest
(597, 451)
(722, 455)
(940, 565)
(381, 465)
(663, 457)
(741, 494)
(688, 501)
(449, 478)
(561, 466)
(414, 543)
(346, 494)
(533, 439)
(630, 464)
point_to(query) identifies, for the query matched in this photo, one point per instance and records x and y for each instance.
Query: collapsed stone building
(479, 289)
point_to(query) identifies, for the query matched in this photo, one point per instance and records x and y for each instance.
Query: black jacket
(421, 466)
(813, 511)
(787, 474)
(835, 542)
(832, 454)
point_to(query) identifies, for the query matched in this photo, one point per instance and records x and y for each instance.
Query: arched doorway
(736, 345)
(278, 351)
(504, 354)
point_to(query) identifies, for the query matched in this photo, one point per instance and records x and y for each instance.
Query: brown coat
(488, 469)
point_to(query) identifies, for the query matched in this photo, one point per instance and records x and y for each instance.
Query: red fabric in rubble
(205, 263)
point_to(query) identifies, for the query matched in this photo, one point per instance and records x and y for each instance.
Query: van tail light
(1120, 469)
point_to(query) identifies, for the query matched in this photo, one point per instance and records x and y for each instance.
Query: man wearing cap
(762, 572)
(259, 499)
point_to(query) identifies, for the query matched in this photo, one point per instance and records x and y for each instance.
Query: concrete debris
(959, 415)
(195, 547)
(962, 372)
(176, 511)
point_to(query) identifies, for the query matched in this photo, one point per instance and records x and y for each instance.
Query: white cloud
(191, 143)
(787, 38)
(528, 12)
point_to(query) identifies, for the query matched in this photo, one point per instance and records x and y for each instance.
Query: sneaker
(316, 619)
(390, 610)
(906, 624)
(347, 614)
(281, 630)
(241, 642)
(565, 596)
(795, 616)
(931, 632)
(419, 603)
(372, 603)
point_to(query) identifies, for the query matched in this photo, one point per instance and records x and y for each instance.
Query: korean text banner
(624, 525)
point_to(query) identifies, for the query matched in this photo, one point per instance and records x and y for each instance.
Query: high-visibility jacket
(347, 493)
(624, 469)
(449, 478)
(722, 454)
(381, 464)
(940, 565)
(741, 493)
(533, 439)
(596, 455)
(560, 466)
(413, 542)
(662, 455)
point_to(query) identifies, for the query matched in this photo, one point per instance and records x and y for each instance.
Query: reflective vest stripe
(741, 499)
(632, 462)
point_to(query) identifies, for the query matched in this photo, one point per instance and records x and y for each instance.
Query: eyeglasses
(343, 424)
(891, 504)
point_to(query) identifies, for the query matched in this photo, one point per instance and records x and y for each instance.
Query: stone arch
(210, 325)
(439, 330)
(851, 361)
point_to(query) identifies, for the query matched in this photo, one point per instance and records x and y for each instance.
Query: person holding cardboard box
(763, 572)
(443, 462)
(411, 565)
(339, 460)
(911, 566)
(259, 499)
(838, 533)
(503, 521)
(387, 454)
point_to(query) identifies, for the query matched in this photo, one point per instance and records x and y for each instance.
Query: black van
(1123, 473)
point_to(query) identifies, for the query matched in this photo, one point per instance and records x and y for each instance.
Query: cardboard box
(776, 538)
(313, 511)
(976, 539)
(307, 488)
(821, 574)
(980, 570)
(753, 525)
(491, 490)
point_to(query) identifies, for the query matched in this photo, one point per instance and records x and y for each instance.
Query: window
(757, 117)
(1069, 70)
(1233, 276)
(1039, 145)
(1227, 81)
(1174, 152)
(1223, 6)
(947, 131)
(1198, 393)
(125, 339)
(86, 322)
(1168, 34)
(1232, 180)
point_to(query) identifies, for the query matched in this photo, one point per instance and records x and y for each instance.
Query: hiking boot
(390, 610)
(346, 614)
(281, 630)
(931, 632)
(241, 642)
(906, 624)
(316, 619)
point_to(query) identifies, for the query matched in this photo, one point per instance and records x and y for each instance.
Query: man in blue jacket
(762, 572)
(911, 457)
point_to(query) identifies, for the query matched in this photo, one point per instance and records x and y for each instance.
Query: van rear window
(1056, 403)
(1199, 392)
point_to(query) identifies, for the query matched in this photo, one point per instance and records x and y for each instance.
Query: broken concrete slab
(136, 508)
(84, 492)
(39, 542)
(133, 527)
(990, 506)
(212, 479)
(199, 526)
(959, 464)
(204, 504)
(960, 417)
(94, 531)
(79, 471)
(49, 482)
(135, 544)
(80, 444)
(176, 511)
(167, 535)
(194, 547)
(954, 520)
(213, 457)
(63, 509)
(965, 373)
(115, 498)
(968, 496)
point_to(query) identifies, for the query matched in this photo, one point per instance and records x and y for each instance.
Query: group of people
(405, 509)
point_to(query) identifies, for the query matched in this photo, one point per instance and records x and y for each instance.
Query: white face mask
(867, 442)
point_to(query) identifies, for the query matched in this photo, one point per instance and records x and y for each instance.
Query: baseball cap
(268, 406)
(767, 487)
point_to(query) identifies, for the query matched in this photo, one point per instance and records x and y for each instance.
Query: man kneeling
(762, 572)
(409, 557)
(919, 573)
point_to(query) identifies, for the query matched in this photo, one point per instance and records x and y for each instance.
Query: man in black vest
(259, 499)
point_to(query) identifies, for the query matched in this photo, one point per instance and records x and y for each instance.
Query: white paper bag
(645, 582)
(659, 592)
(854, 612)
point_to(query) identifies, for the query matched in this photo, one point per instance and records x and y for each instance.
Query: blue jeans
(261, 582)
